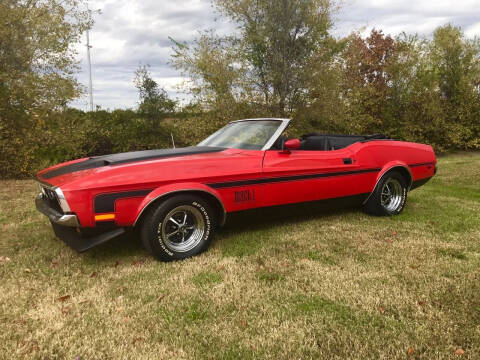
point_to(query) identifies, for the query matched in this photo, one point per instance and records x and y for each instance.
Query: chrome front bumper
(54, 215)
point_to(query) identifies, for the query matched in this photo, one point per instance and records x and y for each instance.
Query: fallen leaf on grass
(137, 339)
(410, 351)
(459, 351)
(381, 309)
(244, 323)
(4, 258)
(27, 270)
(388, 241)
(120, 309)
(138, 263)
(160, 298)
(63, 298)
(421, 303)
(394, 233)
(94, 274)
(65, 310)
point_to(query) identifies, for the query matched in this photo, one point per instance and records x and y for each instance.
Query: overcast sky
(128, 33)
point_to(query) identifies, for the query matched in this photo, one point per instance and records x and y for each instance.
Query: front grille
(51, 197)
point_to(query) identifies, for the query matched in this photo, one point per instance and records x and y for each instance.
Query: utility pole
(90, 89)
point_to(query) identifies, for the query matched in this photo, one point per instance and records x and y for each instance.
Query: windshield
(246, 135)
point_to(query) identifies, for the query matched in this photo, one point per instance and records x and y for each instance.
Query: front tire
(389, 196)
(178, 228)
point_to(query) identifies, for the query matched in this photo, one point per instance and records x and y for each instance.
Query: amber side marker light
(103, 217)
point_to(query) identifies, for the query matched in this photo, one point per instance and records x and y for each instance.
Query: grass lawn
(308, 285)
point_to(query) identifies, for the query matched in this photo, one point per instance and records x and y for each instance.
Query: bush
(73, 134)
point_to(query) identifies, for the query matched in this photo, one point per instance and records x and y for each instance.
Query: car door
(236, 178)
(305, 175)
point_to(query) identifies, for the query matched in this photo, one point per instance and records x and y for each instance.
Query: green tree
(37, 66)
(269, 64)
(367, 80)
(154, 101)
(414, 88)
(322, 107)
(455, 62)
(217, 72)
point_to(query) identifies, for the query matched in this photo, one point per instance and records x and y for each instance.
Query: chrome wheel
(182, 228)
(392, 195)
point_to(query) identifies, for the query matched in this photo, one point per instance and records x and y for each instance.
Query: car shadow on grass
(262, 218)
(128, 247)
(248, 232)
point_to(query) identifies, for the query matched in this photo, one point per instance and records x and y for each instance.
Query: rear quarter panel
(418, 159)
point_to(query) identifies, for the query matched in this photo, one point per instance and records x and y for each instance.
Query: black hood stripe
(134, 156)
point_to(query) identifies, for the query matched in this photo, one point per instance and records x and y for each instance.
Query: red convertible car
(176, 198)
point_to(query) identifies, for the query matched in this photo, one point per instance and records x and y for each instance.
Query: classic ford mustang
(176, 198)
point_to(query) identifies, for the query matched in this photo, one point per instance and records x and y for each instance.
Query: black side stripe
(421, 164)
(105, 203)
(227, 184)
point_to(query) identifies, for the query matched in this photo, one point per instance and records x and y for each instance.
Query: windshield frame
(281, 128)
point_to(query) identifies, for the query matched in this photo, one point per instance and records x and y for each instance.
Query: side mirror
(292, 144)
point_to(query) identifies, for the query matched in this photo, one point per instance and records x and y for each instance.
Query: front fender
(166, 190)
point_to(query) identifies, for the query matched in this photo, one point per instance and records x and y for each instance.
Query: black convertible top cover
(121, 158)
(317, 141)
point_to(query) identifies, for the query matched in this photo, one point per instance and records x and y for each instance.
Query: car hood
(67, 172)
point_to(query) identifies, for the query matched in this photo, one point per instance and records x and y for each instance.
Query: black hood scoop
(121, 158)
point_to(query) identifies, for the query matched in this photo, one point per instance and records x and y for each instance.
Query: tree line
(281, 61)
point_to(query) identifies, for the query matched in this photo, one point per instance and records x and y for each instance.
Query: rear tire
(389, 196)
(178, 228)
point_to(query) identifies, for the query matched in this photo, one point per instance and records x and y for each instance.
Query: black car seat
(315, 143)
